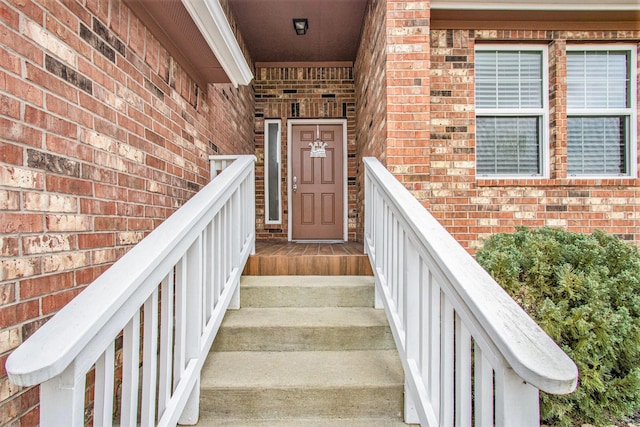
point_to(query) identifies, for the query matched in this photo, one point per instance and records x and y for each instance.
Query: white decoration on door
(318, 146)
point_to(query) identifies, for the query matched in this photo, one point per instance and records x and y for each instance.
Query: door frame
(345, 188)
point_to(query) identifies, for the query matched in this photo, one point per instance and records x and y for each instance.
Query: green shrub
(584, 291)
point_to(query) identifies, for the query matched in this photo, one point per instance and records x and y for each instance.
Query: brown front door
(317, 183)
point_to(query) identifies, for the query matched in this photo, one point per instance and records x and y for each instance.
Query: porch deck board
(290, 258)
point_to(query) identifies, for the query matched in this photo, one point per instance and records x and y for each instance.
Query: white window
(272, 172)
(601, 110)
(511, 111)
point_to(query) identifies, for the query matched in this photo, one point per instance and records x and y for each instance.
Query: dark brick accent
(456, 128)
(213, 146)
(578, 193)
(290, 91)
(102, 47)
(556, 208)
(449, 38)
(328, 95)
(72, 76)
(440, 136)
(51, 163)
(154, 89)
(628, 237)
(440, 93)
(103, 32)
(455, 58)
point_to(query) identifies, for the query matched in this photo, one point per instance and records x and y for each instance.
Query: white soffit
(214, 27)
(571, 5)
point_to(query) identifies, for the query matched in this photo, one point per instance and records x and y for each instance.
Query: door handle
(295, 184)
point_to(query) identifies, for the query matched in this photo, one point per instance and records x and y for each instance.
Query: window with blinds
(599, 111)
(272, 172)
(511, 111)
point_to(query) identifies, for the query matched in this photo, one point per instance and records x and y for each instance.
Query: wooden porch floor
(308, 259)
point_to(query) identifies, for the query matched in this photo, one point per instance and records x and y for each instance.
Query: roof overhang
(620, 15)
(543, 5)
(214, 27)
(197, 34)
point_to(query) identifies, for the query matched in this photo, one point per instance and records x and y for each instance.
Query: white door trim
(343, 122)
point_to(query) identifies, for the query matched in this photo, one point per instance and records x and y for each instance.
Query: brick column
(408, 86)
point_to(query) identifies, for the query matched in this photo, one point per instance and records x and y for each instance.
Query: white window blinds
(599, 112)
(510, 112)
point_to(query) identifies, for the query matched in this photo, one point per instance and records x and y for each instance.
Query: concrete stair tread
(306, 281)
(208, 419)
(306, 369)
(305, 317)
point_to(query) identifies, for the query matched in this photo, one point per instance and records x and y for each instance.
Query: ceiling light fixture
(301, 25)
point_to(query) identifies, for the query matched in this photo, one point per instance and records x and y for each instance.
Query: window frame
(542, 112)
(631, 112)
(267, 171)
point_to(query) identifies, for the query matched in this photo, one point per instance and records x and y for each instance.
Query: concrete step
(306, 291)
(304, 329)
(302, 384)
(208, 420)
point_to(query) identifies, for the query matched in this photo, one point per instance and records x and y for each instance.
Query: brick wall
(299, 92)
(393, 81)
(472, 209)
(416, 113)
(102, 136)
(371, 97)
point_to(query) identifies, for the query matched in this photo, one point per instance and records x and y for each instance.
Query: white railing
(164, 301)
(471, 355)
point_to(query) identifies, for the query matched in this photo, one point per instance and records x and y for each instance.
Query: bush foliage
(584, 291)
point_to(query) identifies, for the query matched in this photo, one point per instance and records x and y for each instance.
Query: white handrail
(176, 285)
(470, 353)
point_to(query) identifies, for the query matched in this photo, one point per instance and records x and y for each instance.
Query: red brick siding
(102, 136)
(302, 93)
(371, 96)
(472, 209)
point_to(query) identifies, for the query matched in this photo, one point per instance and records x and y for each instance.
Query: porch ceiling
(267, 27)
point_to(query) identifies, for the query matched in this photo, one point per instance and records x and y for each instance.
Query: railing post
(193, 325)
(62, 400)
(517, 403)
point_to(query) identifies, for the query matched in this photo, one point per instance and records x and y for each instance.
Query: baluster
(517, 403)
(463, 374)
(398, 260)
(130, 371)
(412, 325)
(179, 357)
(251, 207)
(236, 248)
(192, 319)
(483, 386)
(432, 339)
(378, 243)
(208, 300)
(217, 257)
(150, 360)
(367, 211)
(166, 343)
(62, 400)
(447, 403)
(103, 397)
